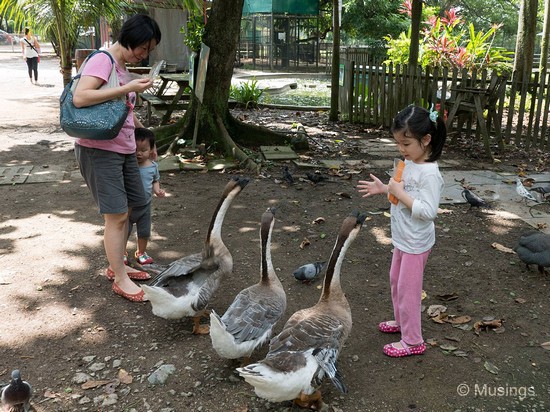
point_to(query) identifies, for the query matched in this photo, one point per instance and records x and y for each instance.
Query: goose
(16, 396)
(248, 322)
(186, 285)
(307, 348)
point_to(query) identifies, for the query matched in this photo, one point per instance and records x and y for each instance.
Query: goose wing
(253, 313)
(181, 267)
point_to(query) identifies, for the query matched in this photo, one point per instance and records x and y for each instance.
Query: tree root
(233, 149)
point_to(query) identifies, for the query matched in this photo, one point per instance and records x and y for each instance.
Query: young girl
(420, 135)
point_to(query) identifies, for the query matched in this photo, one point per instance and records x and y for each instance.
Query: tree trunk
(543, 65)
(416, 17)
(525, 44)
(216, 125)
(334, 80)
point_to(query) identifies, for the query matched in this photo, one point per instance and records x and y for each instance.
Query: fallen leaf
(491, 368)
(444, 211)
(387, 214)
(424, 294)
(94, 384)
(50, 394)
(545, 345)
(501, 248)
(319, 220)
(464, 326)
(448, 347)
(460, 353)
(440, 318)
(305, 243)
(344, 194)
(447, 297)
(520, 300)
(125, 377)
(458, 320)
(486, 325)
(435, 310)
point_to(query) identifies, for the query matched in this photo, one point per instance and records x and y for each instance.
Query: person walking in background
(31, 52)
(420, 135)
(150, 176)
(110, 167)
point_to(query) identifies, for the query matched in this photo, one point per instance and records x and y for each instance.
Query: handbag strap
(32, 47)
(113, 78)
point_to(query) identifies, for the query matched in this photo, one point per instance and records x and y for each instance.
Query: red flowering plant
(449, 42)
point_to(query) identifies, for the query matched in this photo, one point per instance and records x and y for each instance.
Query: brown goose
(186, 285)
(249, 320)
(307, 348)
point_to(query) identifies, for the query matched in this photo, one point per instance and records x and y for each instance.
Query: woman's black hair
(27, 30)
(415, 122)
(138, 30)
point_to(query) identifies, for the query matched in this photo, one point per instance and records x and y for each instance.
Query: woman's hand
(371, 188)
(139, 85)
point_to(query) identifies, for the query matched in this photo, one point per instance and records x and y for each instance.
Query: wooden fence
(516, 113)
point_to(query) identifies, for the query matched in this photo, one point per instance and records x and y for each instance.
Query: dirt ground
(62, 325)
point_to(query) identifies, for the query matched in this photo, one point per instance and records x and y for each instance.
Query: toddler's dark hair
(141, 133)
(415, 122)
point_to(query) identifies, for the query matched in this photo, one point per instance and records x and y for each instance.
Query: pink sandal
(406, 350)
(138, 275)
(386, 327)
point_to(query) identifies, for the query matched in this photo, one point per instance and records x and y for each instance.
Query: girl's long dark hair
(415, 122)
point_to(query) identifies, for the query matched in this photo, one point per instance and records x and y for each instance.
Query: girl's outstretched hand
(371, 188)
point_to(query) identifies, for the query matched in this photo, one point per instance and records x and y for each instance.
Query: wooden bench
(164, 103)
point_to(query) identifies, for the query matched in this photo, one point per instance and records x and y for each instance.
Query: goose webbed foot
(313, 401)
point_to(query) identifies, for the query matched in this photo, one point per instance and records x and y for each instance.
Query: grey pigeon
(473, 199)
(307, 273)
(315, 177)
(287, 177)
(523, 192)
(544, 190)
(533, 248)
(17, 394)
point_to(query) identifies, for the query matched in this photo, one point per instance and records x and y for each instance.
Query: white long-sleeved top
(413, 230)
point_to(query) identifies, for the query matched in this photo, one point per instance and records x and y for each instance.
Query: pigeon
(533, 248)
(315, 178)
(523, 192)
(307, 273)
(17, 394)
(287, 177)
(543, 190)
(473, 199)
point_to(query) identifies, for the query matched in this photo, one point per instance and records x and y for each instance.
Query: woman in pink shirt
(109, 167)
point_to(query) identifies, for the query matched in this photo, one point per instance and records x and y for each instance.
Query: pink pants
(406, 274)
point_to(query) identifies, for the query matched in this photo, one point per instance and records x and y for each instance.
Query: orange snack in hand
(398, 173)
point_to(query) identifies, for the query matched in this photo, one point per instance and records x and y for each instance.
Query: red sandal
(406, 350)
(139, 275)
(136, 297)
(386, 327)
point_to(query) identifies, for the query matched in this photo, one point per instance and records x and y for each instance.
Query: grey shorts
(141, 216)
(113, 179)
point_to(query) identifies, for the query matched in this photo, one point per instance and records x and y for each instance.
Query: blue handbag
(101, 121)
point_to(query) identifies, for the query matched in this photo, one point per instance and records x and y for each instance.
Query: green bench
(164, 103)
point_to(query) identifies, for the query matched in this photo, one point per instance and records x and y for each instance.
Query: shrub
(246, 93)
